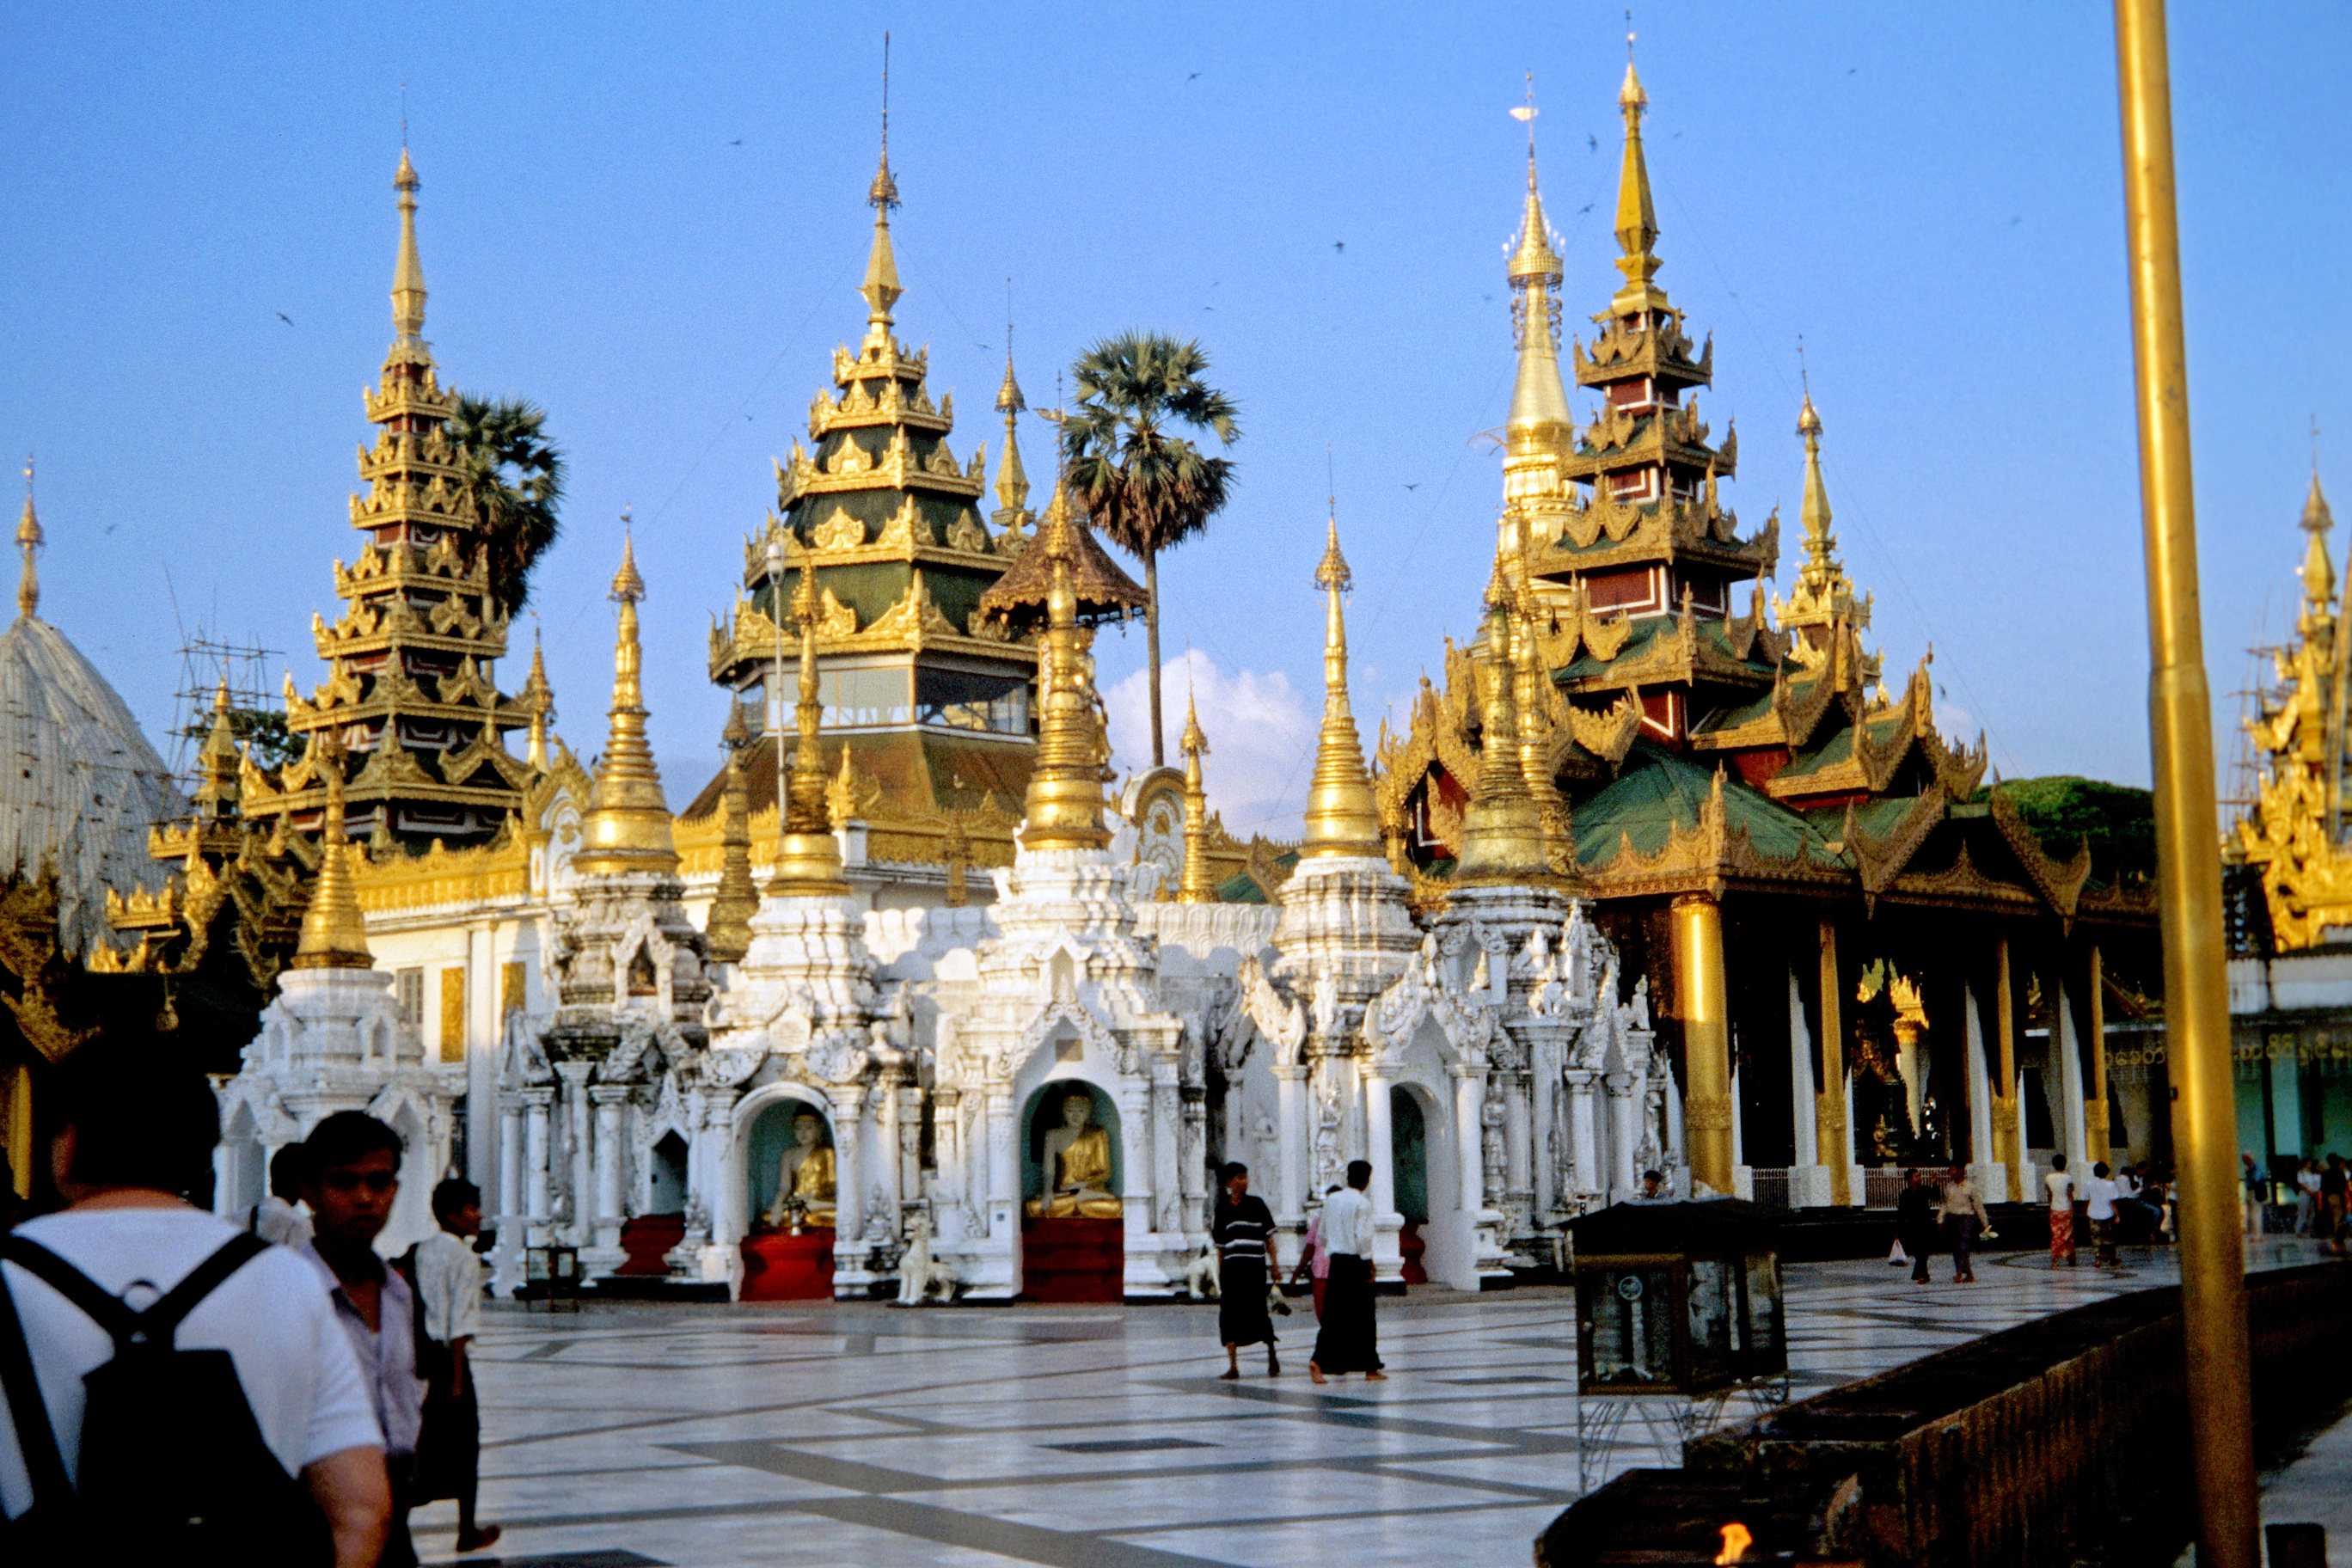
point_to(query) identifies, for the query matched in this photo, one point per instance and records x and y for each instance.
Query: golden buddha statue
(805, 1177)
(1078, 1167)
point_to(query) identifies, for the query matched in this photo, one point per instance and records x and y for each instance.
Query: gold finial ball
(627, 586)
(405, 179)
(1808, 422)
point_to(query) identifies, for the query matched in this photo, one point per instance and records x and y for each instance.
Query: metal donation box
(1677, 1298)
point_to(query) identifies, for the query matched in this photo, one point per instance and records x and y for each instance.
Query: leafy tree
(516, 477)
(2063, 810)
(261, 730)
(1143, 481)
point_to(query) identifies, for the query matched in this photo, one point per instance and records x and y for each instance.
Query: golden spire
(1341, 819)
(2318, 572)
(407, 272)
(1011, 479)
(728, 929)
(28, 540)
(334, 933)
(1820, 544)
(881, 286)
(219, 767)
(808, 858)
(539, 698)
(1538, 401)
(1197, 888)
(1502, 828)
(1637, 218)
(1063, 809)
(1822, 592)
(628, 824)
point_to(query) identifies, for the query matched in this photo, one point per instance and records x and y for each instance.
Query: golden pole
(1829, 1103)
(2006, 1145)
(1700, 996)
(2180, 715)
(2096, 1131)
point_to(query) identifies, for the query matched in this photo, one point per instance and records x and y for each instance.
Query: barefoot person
(1350, 1339)
(1244, 1234)
(447, 1272)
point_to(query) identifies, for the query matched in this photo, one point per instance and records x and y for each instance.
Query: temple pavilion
(1860, 954)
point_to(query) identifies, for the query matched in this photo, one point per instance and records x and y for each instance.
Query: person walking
(1350, 1339)
(353, 1179)
(1965, 1217)
(1243, 1231)
(2332, 1201)
(1915, 1223)
(2258, 1190)
(446, 1274)
(2062, 1212)
(2100, 1196)
(171, 1389)
(2306, 1198)
(1315, 1258)
(275, 1218)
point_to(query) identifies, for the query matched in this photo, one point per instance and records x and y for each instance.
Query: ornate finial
(334, 932)
(407, 270)
(28, 540)
(1637, 216)
(1341, 818)
(808, 857)
(2316, 518)
(1012, 478)
(883, 194)
(1819, 543)
(1539, 412)
(627, 827)
(727, 930)
(540, 699)
(1062, 807)
(1503, 839)
(2318, 570)
(1195, 886)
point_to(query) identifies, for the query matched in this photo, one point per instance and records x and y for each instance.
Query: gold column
(1195, 885)
(1064, 806)
(1700, 996)
(1341, 820)
(1829, 1098)
(808, 857)
(2004, 1098)
(2196, 994)
(2094, 1109)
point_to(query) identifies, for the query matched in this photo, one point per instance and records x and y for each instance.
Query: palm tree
(516, 477)
(1147, 490)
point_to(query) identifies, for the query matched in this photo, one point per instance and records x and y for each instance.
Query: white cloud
(1261, 731)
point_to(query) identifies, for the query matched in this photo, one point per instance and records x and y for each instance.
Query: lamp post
(2180, 732)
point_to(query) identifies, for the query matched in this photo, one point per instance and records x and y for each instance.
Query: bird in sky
(1195, 76)
(1414, 486)
(737, 143)
(285, 318)
(1339, 244)
(1585, 208)
(1592, 142)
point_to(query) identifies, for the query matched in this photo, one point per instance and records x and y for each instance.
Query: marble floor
(708, 1437)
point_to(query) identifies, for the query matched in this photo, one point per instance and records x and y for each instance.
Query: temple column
(581, 1178)
(1380, 1140)
(1003, 1205)
(1833, 1098)
(893, 1161)
(511, 1210)
(2066, 1057)
(1192, 1166)
(1809, 1178)
(1700, 999)
(2094, 1110)
(1519, 1161)
(1985, 1168)
(1167, 1126)
(948, 1153)
(1588, 1173)
(536, 1101)
(1469, 1095)
(1290, 1089)
(609, 1098)
(2008, 1127)
(724, 1189)
(1624, 1136)
(848, 1176)
(1543, 1113)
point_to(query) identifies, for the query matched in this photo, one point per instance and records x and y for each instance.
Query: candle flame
(1735, 1543)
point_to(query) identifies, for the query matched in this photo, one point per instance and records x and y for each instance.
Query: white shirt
(449, 1281)
(2102, 1196)
(385, 1354)
(2061, 1190)
(1348, 1223)
(2309, 1181)
(272, 1316)
(274, 1219)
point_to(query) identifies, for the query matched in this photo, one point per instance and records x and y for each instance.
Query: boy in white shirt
(2102, 1196)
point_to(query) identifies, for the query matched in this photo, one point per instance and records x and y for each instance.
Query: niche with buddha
(793, 1177)
(1071, 1158)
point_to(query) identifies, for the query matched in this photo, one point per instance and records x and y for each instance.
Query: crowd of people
(176, 1387)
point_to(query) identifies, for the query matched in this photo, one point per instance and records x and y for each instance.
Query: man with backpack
(352, 1175)
(173, 1389)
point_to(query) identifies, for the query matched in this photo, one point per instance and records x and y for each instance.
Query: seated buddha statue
(1078, 1168)
(804, 1176)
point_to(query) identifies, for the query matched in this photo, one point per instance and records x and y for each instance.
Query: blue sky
(651, 220)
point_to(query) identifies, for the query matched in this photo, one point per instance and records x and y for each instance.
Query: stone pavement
(710, 1436)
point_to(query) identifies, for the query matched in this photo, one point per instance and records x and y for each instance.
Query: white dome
(80, 786)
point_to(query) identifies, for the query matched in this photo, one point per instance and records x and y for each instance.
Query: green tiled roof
(1658, 791)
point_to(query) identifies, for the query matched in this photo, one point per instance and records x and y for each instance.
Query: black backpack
(172, 1467)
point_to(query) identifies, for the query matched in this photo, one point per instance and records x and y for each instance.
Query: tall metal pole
(2181, 730)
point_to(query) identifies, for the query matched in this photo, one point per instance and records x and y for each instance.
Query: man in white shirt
(1350, 1339)
(138, 1124)
(2062, 1212)
(2101, 1195)
(448, 1275)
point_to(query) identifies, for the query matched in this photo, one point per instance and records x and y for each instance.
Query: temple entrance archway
(788, 1245)
(1408, 1162)
(649, 1237)
(1073, 1225)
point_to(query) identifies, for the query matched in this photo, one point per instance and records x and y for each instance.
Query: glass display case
(1677, 1298)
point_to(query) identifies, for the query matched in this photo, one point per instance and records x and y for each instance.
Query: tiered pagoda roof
(1692, 732)
(411, 689)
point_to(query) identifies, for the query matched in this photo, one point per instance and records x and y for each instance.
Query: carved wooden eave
(1694, 650)
(1620, 350)
(2060, 885)
(1879, 861)
(489, 874)
(1711, 855)
(1608, 734)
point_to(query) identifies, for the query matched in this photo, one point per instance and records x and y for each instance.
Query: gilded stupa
(412, 683)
